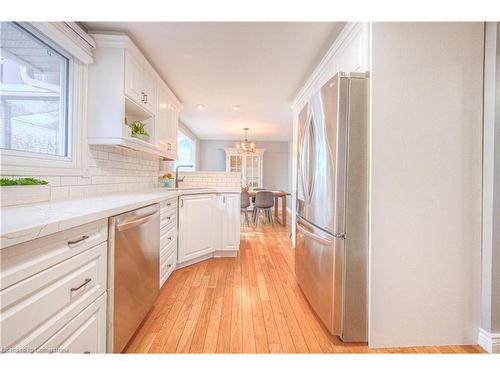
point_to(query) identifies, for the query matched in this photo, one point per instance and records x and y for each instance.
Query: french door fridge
(332, 205)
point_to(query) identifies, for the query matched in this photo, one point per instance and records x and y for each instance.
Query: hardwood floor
(248, 304)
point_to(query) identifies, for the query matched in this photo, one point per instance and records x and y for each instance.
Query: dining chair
(245, 203)
(264, 201)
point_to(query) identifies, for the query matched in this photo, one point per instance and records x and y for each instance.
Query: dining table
(278, 194)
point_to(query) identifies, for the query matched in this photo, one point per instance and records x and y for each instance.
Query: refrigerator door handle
(302, 228)
(312, 153)
(322, 240)
(302, 166)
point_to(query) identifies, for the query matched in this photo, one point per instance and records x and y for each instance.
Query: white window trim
(22, 163)
(194, 150)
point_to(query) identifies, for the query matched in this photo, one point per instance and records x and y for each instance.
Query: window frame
(193, 150)
(22, 163)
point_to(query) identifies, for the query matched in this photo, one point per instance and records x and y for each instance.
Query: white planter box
(24, 194)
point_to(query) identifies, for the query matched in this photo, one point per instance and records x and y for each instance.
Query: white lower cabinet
(197, 226)
(229, 217)
(86, 333)
(168, 238)
(47, 283)
(208, 224)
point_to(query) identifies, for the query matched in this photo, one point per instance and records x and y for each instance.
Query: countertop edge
(66, 219)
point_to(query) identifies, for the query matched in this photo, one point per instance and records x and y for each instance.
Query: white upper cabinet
(148, 94)
(167, 121)
(133, 78)
(123, 88)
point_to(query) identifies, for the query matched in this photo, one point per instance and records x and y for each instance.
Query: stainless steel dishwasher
(133, 272)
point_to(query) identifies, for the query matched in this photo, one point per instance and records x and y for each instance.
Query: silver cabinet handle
(81, 286)
(169, 265)
(168, 217)
(169, 204)
(169, 238)
(74, 242)
(146, 96)
(142, 96)
(182, 203)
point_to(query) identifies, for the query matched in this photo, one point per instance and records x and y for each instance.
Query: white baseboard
(489, 341)
(215, 254)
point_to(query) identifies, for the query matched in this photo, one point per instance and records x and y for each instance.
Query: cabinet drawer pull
(81, 286)
(169, 238)
(146, 99)
(169, 204)
(142, 96)
(168, 217)
(83, 238)
(169, 265)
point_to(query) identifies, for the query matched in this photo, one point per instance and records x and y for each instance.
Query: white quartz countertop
(25, 223)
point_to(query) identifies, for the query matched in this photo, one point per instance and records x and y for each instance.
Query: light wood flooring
(247, 304)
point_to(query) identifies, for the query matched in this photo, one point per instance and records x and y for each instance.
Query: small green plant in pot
(138, 130)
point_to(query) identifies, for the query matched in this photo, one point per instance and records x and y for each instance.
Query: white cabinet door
(161, 120)
(149, 89)
(174, 124)
(230, 222)
(86, 333)
(166, 122)
(133, 78)
(197, 226)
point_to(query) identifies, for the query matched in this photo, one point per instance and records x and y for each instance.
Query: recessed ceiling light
(236, 107)
(200, 106)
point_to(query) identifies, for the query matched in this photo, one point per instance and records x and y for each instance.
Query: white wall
(425, 243)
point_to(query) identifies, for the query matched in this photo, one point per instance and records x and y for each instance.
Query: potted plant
(138, 131)
(167, 180)
(23, 191)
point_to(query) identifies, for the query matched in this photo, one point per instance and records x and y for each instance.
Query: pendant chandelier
(246, 147)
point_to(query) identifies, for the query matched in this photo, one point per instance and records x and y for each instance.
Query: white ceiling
(258, 66)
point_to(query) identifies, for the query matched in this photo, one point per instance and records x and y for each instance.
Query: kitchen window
(186, 151)
(43, 90)
(34, 87)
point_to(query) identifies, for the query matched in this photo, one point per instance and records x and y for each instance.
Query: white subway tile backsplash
(59, 192)
(210, 179)
(76, 191)
(69, 180)
(110, 170)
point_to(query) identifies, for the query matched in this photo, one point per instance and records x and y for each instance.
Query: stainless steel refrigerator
(331, 260)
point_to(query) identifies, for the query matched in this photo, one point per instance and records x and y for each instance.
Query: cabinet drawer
(168, 217)
(34, 309)
(167, 251)
(26, 259)
(168, 204)
(167, 237)
(167, 267)
(86, 333)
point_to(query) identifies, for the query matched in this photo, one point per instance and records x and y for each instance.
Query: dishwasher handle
(134, 223)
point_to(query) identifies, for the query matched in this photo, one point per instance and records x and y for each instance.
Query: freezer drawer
(318, 266)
